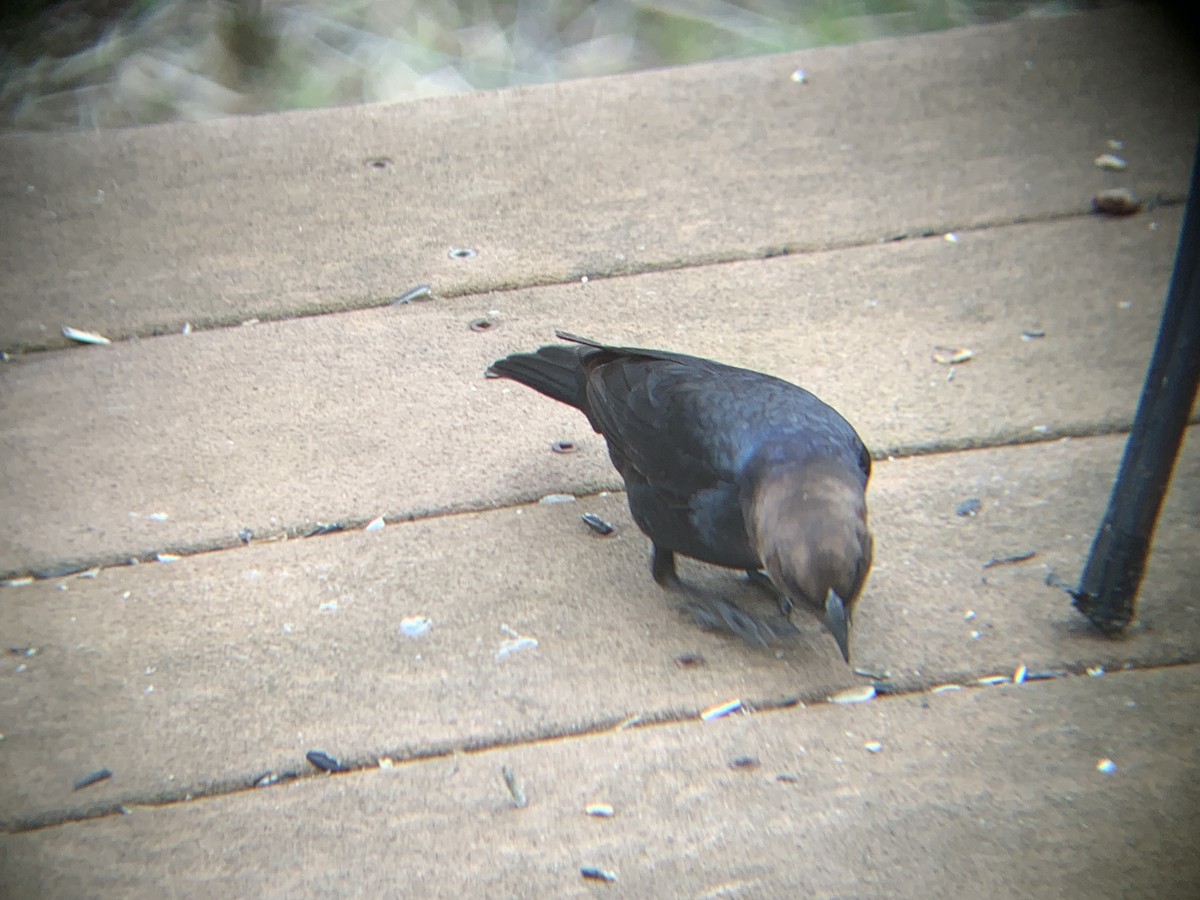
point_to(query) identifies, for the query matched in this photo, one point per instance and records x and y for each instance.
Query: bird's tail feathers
(553, 370)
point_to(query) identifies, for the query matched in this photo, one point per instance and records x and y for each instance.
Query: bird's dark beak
(835, 618)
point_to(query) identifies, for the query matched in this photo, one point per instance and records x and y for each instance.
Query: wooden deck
(915, 193)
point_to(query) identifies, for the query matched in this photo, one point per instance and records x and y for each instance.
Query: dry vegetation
(111, 63)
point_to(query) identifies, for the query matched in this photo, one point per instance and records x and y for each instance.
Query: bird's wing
(656, 414)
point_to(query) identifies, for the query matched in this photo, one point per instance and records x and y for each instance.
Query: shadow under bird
(728, 466)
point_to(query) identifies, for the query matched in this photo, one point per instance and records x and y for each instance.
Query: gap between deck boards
(1162, 201)
(73, 568)
(357, 764)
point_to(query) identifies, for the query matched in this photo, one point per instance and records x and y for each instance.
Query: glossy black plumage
(723, 464)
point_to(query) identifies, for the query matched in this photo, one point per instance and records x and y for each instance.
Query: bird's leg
(662, 567)
(760, 579)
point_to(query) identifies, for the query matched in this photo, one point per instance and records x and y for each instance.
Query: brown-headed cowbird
(725, 465)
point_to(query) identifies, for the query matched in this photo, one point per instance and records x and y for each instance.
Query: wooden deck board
(723, 210)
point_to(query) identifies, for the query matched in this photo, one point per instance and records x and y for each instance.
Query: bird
(728, 466)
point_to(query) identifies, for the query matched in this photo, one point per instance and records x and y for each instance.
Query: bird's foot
(759, 579)
(715, 613)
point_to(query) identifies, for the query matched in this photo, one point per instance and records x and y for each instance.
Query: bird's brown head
(809, 526)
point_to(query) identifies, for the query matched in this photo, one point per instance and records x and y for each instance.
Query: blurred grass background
(88, 64)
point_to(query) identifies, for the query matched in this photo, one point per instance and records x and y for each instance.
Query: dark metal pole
(1108, 587)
